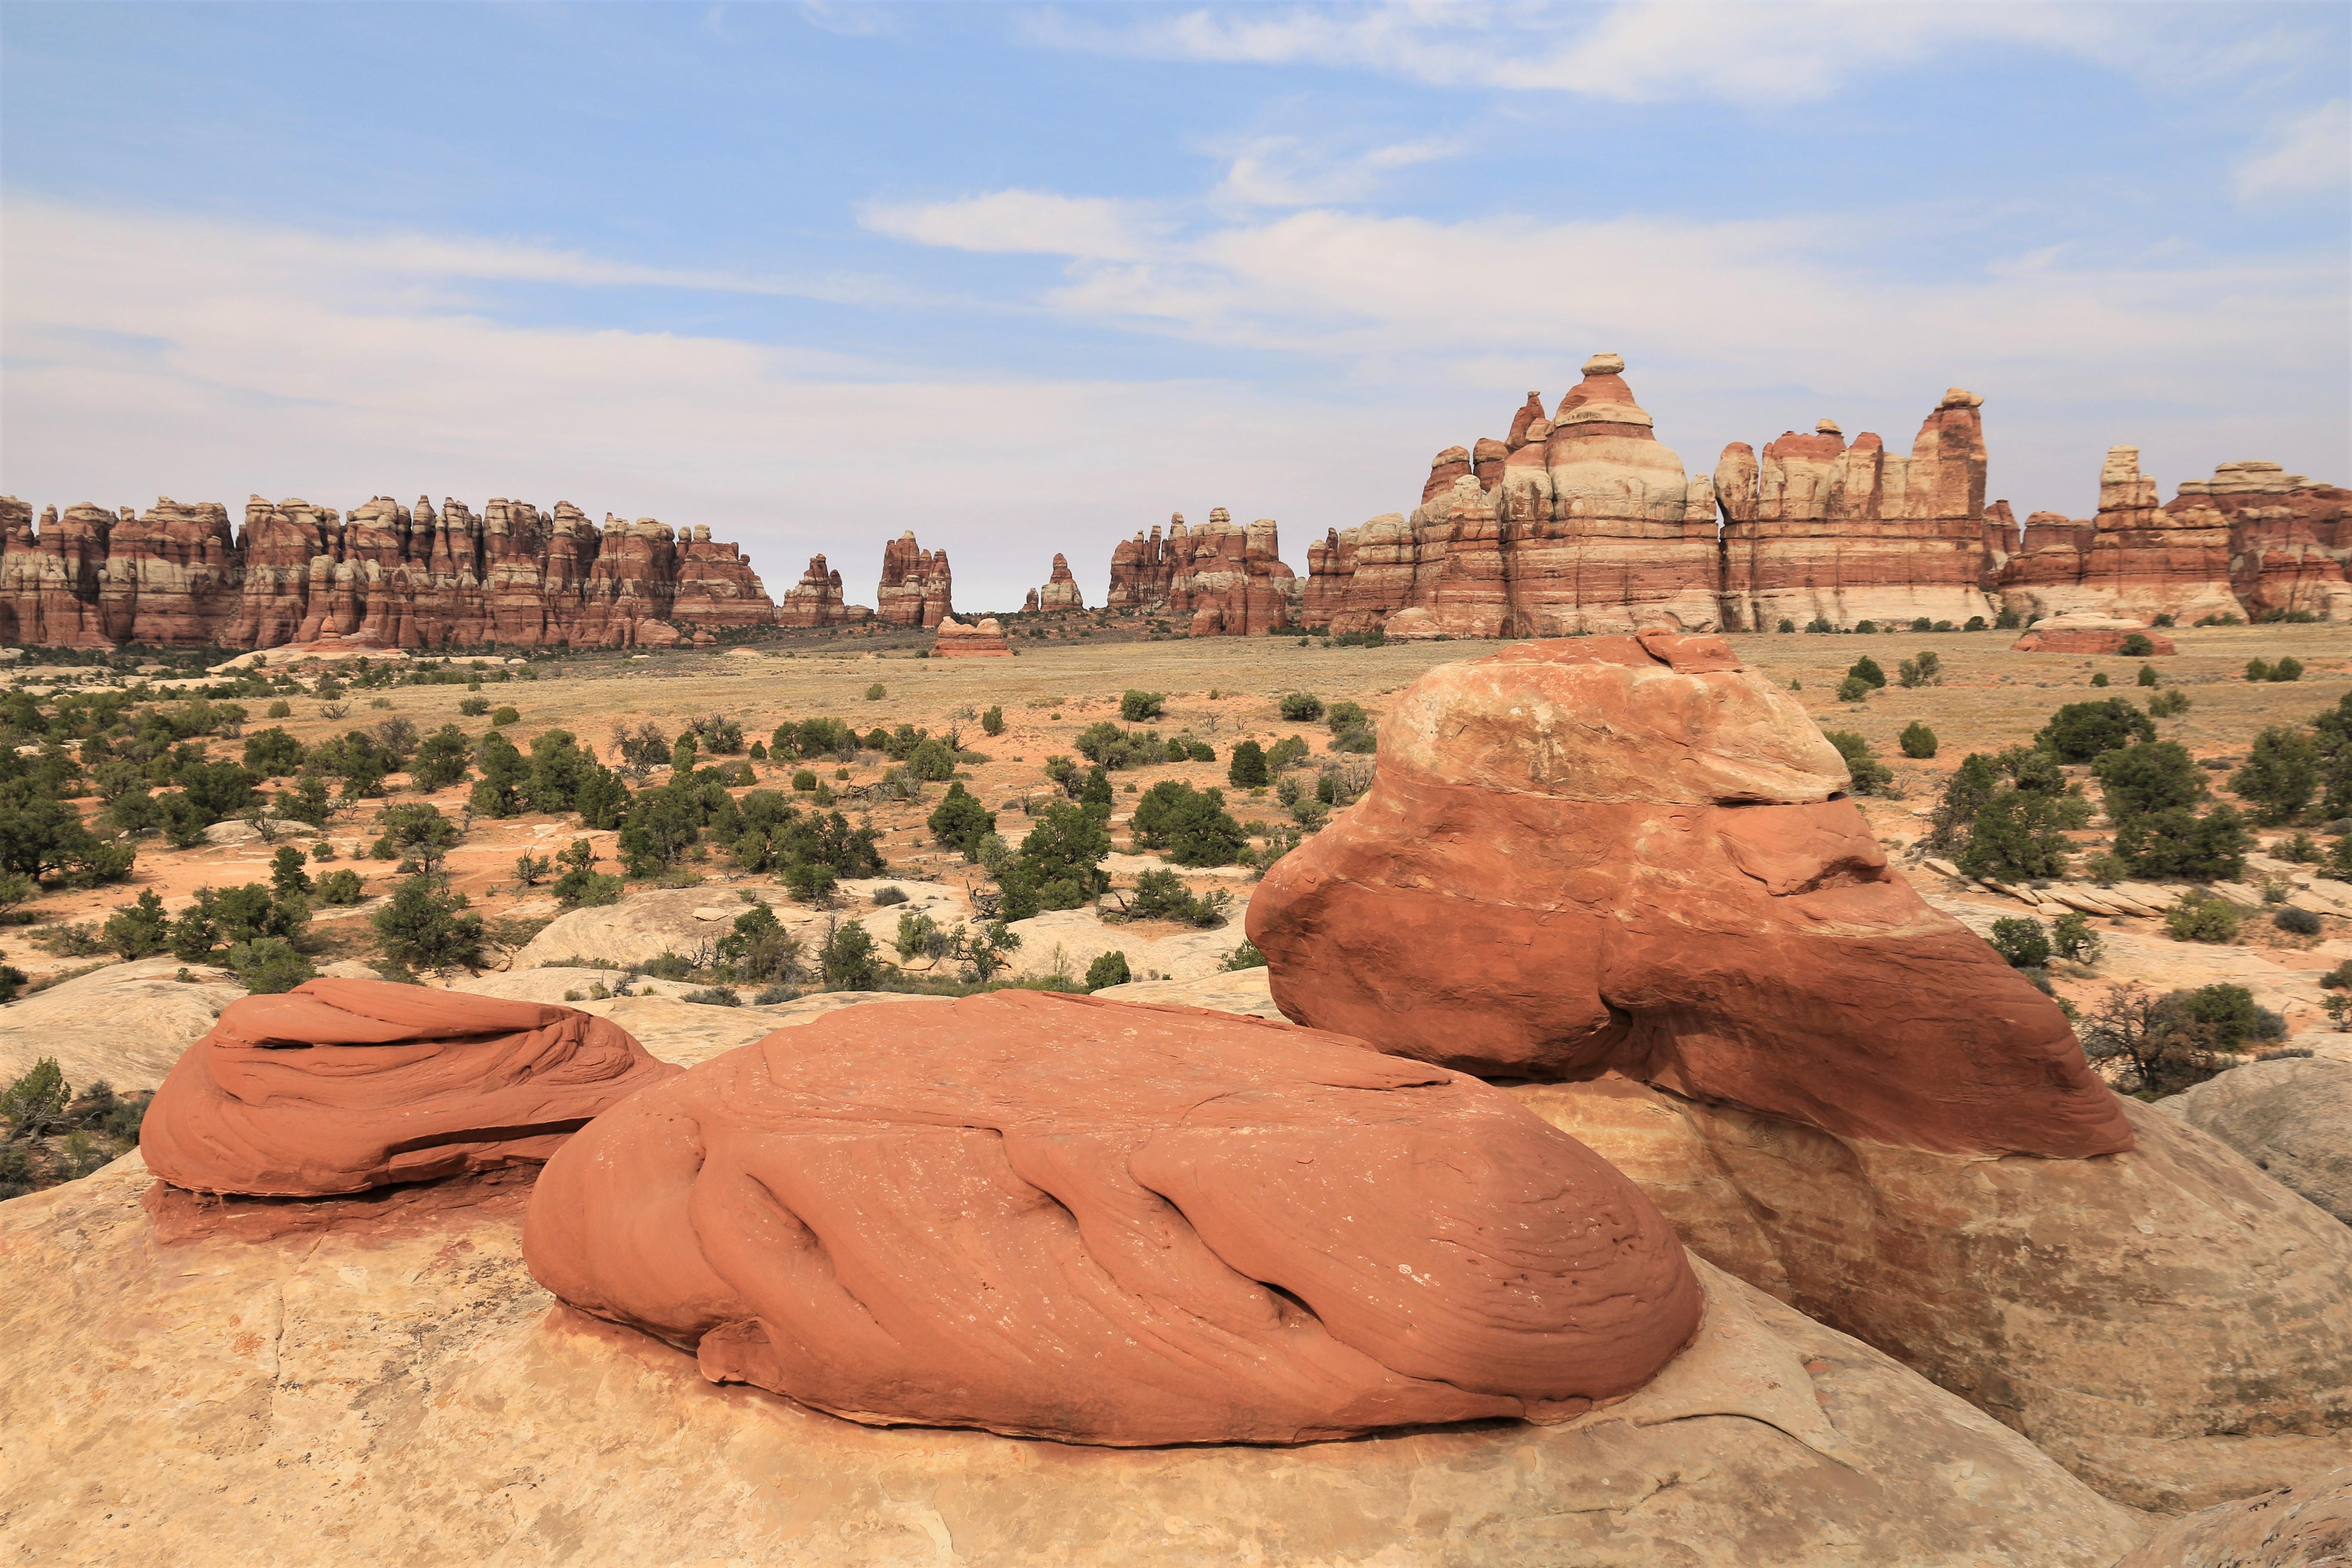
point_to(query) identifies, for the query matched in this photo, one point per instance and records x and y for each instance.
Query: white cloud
(2310, 156)
(1667, 51)
(1274, 171)
(1019, 222)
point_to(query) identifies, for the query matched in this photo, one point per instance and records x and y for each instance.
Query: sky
(1029, 279)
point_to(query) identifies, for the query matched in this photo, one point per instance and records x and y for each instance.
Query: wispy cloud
(1661, 50)
(1277, 170)
(2310, 156)
(1019, 222)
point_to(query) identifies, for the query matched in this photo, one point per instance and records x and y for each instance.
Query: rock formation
(343, 1085)
(916, 587)
(817, 600)
(2288, 537)
(2080, 632)
(2293, 1118)
(1835, 1092)
(247, 1378)
(406, 576)
(2133, 559)
(1819, 529)
(1228, 579)
(958, 640)
(1185, 1226)
(1649, 849)
(1140, 569)
(1061, 590)
(2306, 1525)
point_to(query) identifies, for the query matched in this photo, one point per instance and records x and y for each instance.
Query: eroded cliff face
(916, 587)
(817, 600)
(407, 576)
(2133, 559)
(1228, 579)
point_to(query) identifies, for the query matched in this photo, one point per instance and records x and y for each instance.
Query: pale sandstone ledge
(396, 1388)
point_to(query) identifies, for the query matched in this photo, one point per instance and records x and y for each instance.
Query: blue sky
(1028, 279)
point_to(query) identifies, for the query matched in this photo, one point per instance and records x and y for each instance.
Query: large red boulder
(1635, 854)
(343, 1085)
(1111, 1223)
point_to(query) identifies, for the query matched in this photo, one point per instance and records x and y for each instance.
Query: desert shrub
(1976, 623)
(338, 888)
(1870, 775)
(281, 708)
(1301, 707)
(1139, 706)
(2228, 1014)
(1359, 740)
(2297, 922)
(417, 835)
(1924, 669)
(139, 929)
(805, 781)
(1866, 669)
(2200, 917)
(286, 872)
(960, 822)
(2154, 775)
(2281, 774)
(1189, 827)
(717, 735)
(1058, 866)
(875, 693)
(2081, 731)
(1290, 752)
(1161, 895)
(2288, 668)
(1787, 625)
(272, 754)
(992, 722)
(886, 897)
(269, 965)
(712, 996)
(441, 759)
(1916, 741)
(2303, 849)
(1854, 688)
(1248, 769)
(759, 950)
(473, 707)
(2159, 1048)
(848, 959)
(426, 927)
(1246, 956)
(13, 980)
(2072, 938)
(2023, 941)
(2100, 679)
(2018, 834)
(2169, 704)
(504, 717)
(2148, 677)
(1107, 969)
(2176, 842)
(34, 1104)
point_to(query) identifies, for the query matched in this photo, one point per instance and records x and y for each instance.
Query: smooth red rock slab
(343, 1085)
(1116, 1224)
(1635, 854)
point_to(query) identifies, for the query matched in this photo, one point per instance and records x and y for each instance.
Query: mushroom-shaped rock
(958, 640)
(1116, 1224)
(1634, 853)
(343, 1085)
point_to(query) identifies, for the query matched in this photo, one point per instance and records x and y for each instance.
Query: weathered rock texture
(985, 640)
(817, 600)
(396, 1378)
(2166, 1321)
(1819, 529)
(2288, 537)
(2082, 633)
(2133, 558)
(2293, 1118)
(2306, 1525)
(1184, 1227)
(1636, 854)
(916, 588)
(403, 575)
(343, 1085)
(1141, 568)
(1061, 591)
(1230, 580)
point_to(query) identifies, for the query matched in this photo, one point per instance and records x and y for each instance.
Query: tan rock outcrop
(1061, 590)
(918, 588)
(1821, 529)
(1142, 569)
(817, 600)
(247, 1381)
(2306, 1525)
(985, 640)
(2291, 1117)
(2289, 538)
(2132, 559)
(1230, 580)
(2080, 632)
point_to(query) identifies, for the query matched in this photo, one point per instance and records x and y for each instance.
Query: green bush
(2136, 645)
(2074, 939)
(139, 929)
(1924, 669)
(2229, 1015)
(960, 822)
(2148, 677)
(2099, 678)
(2154, 775)
(1787, 625)
(847, 958)
(2289, 669)
(1301, 707)
(1247, 770)
(35, 1105)
(1246, 956)
(1866, 669)
(1916, 741)
(1189, 827)
(441, 759)
(1161, 895)
(875, 693)
(1138, 707)
(1058, 866)
(2169, 704)
(2081, 731)
(992, 723)
(281, 708)
(505, 716)
(2297, 922)
(2200, 916)
(2281, 774)
(1854, 688)
(2176, 842)
(339, 888)
(1976, 623)
(269, 965)
(473, 707)
(1108, 969)
(2258, 669)
(2023, 941)
(2017, 834)
(1870, 777)
(805, 781)
(426, 927)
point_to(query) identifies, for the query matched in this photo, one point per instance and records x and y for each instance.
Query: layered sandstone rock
(1140, 569)
(1648, 849)
(1819, 530)
(2293, 1118)
(1188, 1227)
(2306, 1525)
(343, 1085)
(2289, 537)
(985, 640)
(916, 588)
(2082, 633)
(247, 1377)
(408, 577)
(2132, 559)
(817, 600)
(1061, 590)
(1230, 580)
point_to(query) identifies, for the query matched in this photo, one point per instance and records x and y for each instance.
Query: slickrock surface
(1636, 854)
(126, 1022)
(918, 588)
(406, 576)
(813, 1214)
(1819, 529)
(2169, 1322)
(1061, 591)
(2293, 1118)
(393, 1382)
(985, 640)
(2081, 631)
(2133, 559)
(342, 1085)
(2306, 1525)
(817, 600)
